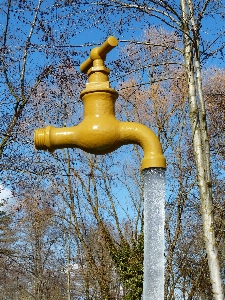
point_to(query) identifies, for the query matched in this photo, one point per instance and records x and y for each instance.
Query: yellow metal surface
(98, 54)
(100, 132)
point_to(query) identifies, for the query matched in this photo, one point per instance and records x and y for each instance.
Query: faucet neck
(98, 74)
(99, 103)
(98, 97)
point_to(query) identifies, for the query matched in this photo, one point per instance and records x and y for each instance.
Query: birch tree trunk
(200, 142)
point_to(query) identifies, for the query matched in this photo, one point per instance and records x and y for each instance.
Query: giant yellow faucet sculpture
(100, 132)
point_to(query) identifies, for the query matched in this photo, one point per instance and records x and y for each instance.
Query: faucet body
(100, 132)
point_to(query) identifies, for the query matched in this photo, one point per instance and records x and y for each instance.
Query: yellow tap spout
(102, 137)
(135, 133)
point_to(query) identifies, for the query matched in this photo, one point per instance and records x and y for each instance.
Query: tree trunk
(201, 148)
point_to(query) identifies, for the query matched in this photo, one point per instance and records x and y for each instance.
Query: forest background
(73, 226)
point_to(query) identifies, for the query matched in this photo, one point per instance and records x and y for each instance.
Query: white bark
(200, 144)
(207, 203)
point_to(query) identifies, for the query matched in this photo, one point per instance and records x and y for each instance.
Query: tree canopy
(74, 226)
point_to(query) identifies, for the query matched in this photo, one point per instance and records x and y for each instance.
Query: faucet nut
(39, 139)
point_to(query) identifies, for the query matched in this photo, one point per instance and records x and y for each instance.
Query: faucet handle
(99, 53)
